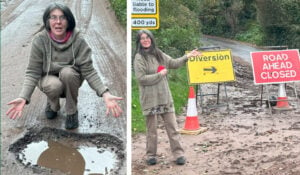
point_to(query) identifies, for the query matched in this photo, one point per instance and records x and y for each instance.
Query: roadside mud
(70, 153)
(248, 138)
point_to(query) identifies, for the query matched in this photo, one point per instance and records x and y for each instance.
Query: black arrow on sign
(212, 69)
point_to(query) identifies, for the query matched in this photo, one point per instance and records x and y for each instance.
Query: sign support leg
(226, 96)
(296, 95)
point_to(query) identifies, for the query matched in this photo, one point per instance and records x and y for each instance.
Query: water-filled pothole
(71, 153)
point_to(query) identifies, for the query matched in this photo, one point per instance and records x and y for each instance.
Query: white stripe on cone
(282, 102)
(281, 91)
(192, 110)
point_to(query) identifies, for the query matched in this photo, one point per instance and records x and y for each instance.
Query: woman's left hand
(194, 53)
(112, 105)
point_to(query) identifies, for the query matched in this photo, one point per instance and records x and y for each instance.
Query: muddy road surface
(237, 48)
(248, 138)
(20, 21)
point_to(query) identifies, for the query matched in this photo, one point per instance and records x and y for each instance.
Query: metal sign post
(201, 95)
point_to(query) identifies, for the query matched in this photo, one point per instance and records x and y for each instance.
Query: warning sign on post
(276, 66)
(144, 7)
(145, 14)
(211, 67)
(143, 22)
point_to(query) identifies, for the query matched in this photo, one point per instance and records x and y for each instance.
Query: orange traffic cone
(282, 100)
(192, 125)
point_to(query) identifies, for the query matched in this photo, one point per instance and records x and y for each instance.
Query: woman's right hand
(164, 71)
(16, 109)
(194, 53)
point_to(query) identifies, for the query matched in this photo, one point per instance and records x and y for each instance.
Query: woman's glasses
(145, 38)
(56, 18)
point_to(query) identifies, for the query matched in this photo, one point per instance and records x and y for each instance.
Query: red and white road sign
(276, 66)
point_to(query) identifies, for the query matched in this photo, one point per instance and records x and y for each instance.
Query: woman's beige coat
(48, 57)
(153, 87)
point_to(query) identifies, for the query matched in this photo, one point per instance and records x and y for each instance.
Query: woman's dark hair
(152, 50)
(66, 11)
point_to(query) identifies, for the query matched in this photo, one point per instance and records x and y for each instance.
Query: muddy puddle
(70, 153)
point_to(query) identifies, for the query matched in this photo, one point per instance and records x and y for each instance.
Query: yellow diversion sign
(211, 67)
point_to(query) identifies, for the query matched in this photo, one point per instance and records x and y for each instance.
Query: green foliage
(294, 36)
(179, 87)
(193, 5)
(248, 13)
(253, 34)
(176, 40)
(179, 28)
(222, 17)
(210, 15)
(137, 120)
(280, 21)
(263, 22)
(119, 7)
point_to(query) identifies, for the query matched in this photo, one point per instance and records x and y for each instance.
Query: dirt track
(246, 140)
(20, 21)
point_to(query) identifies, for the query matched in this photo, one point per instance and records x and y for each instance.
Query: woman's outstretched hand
(16, 109)
(112, 105)
(194, 53)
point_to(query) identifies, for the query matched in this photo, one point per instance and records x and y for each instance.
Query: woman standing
(151, 67)
(60, 60)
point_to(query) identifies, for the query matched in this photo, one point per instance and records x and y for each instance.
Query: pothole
(70, 153)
